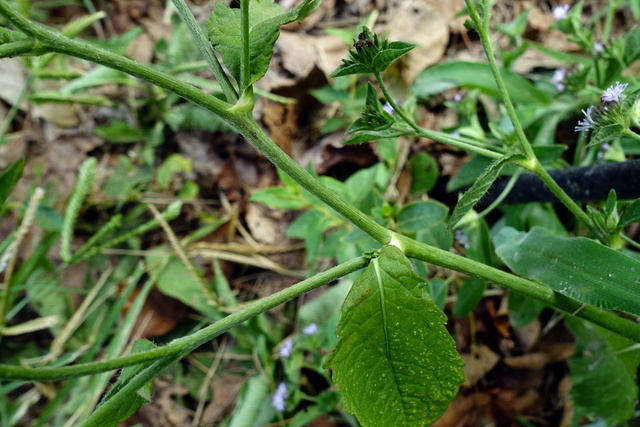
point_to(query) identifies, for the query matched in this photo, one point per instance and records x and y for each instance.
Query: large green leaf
(475, 75)
(420, 215)
(603, 373)
(394, 364)
(265, 20)
(577, 267)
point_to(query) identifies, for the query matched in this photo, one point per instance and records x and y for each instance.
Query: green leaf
(602, 373)
(371, 55)
(120, 132)
(142, 395)
(523, 309)
(374, 118)
(606, 133)
(8, 179)
(394, 364)
(424, 172)
(81, 98)
(469, 295)
(177, 282)
(630, 215)
(420, 215)
(253, 407)
(473, 75)
(265, 20)
(479, 189)
(577, 267)
(174, 164)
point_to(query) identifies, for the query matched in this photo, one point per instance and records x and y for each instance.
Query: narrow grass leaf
(8, 179)
(576, 266)
(395, 363)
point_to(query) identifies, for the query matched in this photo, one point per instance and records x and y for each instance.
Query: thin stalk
(16, 48)
(183, 346)
(244, 45)
(206, 50)
(436, 136)
(483, 32)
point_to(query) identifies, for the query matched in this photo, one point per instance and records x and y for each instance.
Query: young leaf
(577, 267)
(630, 215)
(478, 189)
(371, 55)
(265, 20)
(374, 118)
(394, 364)
(141, 397)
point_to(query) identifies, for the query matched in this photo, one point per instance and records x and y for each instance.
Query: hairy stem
(183, 346)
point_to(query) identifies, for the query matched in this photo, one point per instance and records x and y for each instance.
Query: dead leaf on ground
(476, 366)
(418, 22)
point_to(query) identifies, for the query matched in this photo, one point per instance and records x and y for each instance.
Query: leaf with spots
(395, 363)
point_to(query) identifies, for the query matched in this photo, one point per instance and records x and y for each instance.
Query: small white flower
(558, 77)
(388, 108)
(612, 94)
(560, 12)
(457, 97)
(285, 350)
(588, 122)
(598, 48)
(311, 329)
(279, 397)
(455, 134)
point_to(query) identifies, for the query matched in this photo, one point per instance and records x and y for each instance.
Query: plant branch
(16, 48)
(183, 346)
(436, 136)
(205, 48)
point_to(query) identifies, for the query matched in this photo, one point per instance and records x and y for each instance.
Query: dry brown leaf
(263, 226)
(418, 22)
(529, 361)
(477, 367)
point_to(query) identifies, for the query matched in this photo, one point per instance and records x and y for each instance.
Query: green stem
(206, 50)
(436, 136)
(529, 288)
(16, 48)
(631, 134)
(483, 32)
(185, 345)
(244, 45)
(256, 136)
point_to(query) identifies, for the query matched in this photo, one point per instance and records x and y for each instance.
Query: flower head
(558, 77)
(388, 108)
(598, 48)
(457, 97)
(560, 12)
(461, 238)
(588, 122)
(612, 94)
(310, 329)
(285, 350)
(279, 397)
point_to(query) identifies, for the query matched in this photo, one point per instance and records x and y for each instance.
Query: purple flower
(388, 108)
(279, 397)
(285, 350)
(588, 122)
(558, 78)
(598, 48)
(612, 94)
(311, 329)
(455, 133)
(461, 238)
(457, 97)
(560, 12)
